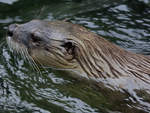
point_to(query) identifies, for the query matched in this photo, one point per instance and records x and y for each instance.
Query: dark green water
(125, 23)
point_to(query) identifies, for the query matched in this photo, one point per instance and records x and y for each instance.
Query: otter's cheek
(38, 55)
(43, 58)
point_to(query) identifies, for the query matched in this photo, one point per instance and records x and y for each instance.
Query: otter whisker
(41, 65)
(25, 55)
(22, 53)
(33, 62)
(35, 65)
(2, 43)
(30, 60)
(9, 43)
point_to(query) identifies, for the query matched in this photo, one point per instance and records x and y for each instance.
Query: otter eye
(69, 46)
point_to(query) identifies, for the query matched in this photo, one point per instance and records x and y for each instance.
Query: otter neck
(102, 59)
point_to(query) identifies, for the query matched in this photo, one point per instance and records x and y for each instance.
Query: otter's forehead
(40, 25)
(57, 30)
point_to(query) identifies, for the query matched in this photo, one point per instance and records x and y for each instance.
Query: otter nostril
(9, 33)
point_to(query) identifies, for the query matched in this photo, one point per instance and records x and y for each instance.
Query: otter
(66, 46)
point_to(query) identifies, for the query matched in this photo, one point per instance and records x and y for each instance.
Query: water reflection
(8, 1)
(126, 23)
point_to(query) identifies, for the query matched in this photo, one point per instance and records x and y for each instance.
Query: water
(125, 23)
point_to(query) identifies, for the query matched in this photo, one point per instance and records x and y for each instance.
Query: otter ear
(70, 47)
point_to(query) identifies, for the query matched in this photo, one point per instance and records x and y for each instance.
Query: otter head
(66, 46)
(52, 44)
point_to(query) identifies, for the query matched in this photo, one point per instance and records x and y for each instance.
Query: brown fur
(100, 58)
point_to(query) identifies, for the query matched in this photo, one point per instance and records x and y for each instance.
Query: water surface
(125, 23)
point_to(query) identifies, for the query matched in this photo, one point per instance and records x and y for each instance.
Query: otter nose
(11, 29)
